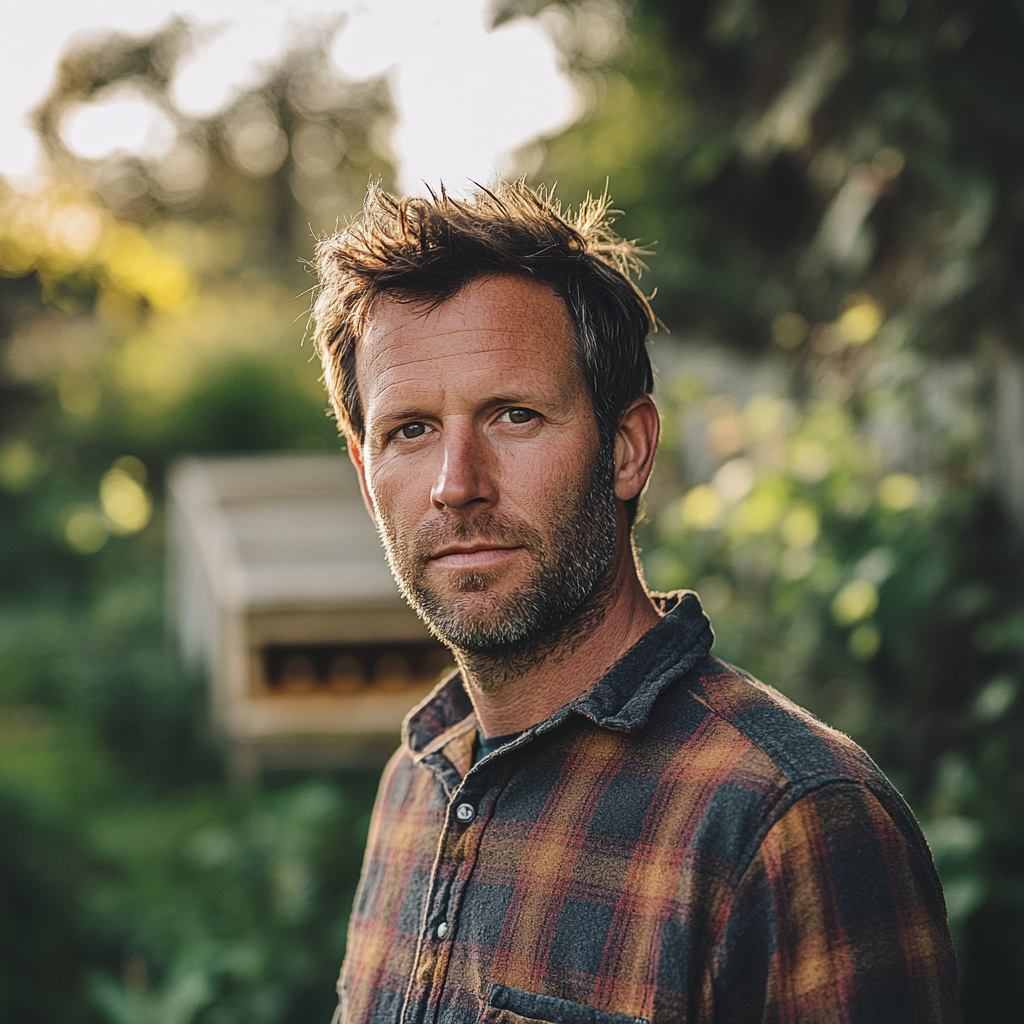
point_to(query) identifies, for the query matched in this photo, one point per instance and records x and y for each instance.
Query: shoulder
(801, 750)
(758, 755)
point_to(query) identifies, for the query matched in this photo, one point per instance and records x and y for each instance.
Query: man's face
(481, 462)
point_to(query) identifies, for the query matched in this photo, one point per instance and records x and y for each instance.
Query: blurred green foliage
(135, 886)
(144, 315)
(834, 193)
(835, 190)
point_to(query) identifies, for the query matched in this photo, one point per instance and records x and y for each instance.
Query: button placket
(458, 851)
(463, 814)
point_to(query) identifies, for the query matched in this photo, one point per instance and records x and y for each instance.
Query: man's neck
(516, 689)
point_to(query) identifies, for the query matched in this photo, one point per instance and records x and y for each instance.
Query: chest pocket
(514, 1006)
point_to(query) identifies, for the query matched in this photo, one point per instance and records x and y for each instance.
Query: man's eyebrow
(402, 415)
(504, 400)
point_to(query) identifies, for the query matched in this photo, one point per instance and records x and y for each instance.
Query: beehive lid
(282, 532)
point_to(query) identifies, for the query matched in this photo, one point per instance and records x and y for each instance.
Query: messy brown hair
(428, 249)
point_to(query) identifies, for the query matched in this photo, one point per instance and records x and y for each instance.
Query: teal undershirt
(484, 746)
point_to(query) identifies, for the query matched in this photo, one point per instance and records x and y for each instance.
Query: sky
(466, 97)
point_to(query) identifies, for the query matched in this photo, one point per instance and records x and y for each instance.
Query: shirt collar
(621, 699)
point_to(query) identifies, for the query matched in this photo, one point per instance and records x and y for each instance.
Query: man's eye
(412, 430)
(520, 415)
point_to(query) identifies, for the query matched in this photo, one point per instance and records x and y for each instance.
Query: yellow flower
(861, 320)
(701, 508)
(856, 601)
(761, 511)
(898, 492)
(800, 528)
(126, 504)
(85, 530)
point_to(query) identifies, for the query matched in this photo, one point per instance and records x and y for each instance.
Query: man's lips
(481, 555)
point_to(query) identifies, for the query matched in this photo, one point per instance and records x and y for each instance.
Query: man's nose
(466, 476)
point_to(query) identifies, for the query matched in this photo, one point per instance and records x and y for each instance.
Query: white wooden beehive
(281, 592)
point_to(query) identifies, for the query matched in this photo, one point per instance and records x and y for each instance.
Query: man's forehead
(490, 314)
(487, 301)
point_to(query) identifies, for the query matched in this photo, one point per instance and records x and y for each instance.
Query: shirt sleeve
(838, 918)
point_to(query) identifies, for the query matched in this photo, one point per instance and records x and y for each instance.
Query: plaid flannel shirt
(679, 844)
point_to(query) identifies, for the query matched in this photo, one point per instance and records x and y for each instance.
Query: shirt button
(465, 812)
(442, 929)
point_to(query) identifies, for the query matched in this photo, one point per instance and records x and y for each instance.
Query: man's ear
(635, 443)
(356, 455)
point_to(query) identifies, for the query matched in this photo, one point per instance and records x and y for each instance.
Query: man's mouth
(473, 556)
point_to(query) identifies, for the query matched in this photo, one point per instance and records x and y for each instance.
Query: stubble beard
(496, 635)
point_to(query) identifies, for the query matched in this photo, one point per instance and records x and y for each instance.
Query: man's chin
(470, 606)
(492, 584)
(475, 620)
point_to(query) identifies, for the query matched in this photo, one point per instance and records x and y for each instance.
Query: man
(593, 821)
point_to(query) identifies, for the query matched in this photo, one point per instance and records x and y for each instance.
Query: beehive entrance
(333, 668)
